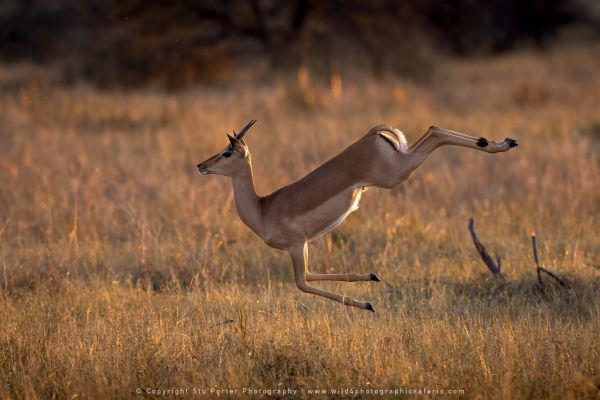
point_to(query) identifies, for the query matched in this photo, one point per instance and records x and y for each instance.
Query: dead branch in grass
(494, 268)
(541, 269)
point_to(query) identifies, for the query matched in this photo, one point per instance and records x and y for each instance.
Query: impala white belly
(356, 195)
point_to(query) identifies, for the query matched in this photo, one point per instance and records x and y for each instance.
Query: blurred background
(176, 43)
(122, 267)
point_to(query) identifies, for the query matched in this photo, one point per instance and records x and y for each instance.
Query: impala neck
(246, 199)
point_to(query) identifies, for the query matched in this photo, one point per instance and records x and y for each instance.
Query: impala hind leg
(299, 259)
(436, 137)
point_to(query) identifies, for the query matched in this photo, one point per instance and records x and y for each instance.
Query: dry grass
(123, 268)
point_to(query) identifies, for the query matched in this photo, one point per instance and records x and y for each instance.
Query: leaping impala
(294, 215)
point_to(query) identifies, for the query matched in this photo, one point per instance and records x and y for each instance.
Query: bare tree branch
(494, 268)
(541, 269)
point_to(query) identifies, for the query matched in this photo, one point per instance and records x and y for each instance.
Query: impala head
(235, 156)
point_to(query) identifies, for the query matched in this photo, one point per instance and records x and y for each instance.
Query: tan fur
(294, 215)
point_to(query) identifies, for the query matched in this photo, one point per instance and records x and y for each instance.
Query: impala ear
(233, 140)
(238, 137)
(238, 145)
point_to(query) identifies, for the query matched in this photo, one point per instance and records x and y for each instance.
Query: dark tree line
(181, 41)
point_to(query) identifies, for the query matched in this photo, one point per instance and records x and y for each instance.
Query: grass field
(122, 268)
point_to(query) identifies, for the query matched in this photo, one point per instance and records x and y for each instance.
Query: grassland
(122, 268)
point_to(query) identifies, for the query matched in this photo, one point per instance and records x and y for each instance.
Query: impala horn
(240, 135)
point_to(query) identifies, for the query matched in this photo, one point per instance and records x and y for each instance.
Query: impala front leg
(298, 254)
(311, 276)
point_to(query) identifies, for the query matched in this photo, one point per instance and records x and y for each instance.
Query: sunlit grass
(122, 268)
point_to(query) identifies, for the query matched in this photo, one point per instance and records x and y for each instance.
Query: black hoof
(370, 307)
(511, 142)
(374, 277)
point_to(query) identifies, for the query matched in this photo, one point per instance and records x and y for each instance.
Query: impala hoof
(511, 142)
(370, 307)
(374, 277)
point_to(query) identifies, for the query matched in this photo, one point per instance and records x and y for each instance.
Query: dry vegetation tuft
(123, 268)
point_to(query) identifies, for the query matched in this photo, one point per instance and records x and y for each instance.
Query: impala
(294, 215)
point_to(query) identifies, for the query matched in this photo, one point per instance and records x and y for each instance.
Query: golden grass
(122, 268)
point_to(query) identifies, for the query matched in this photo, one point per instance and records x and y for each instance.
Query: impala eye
(226, 154)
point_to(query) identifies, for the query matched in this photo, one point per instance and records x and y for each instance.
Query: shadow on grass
(521, 294)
